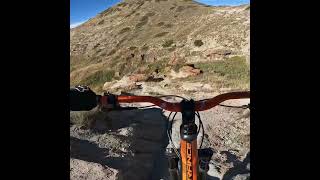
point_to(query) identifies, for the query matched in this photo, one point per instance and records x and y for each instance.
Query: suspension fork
(188, 143)
(193, 164)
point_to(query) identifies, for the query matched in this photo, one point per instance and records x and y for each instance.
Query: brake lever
(112, 103)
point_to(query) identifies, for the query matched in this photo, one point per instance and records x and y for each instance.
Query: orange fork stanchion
(189, 160)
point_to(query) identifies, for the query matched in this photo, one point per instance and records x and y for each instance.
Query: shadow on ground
(239, 167)
(147, 142)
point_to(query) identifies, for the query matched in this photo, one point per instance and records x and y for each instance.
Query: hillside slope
(141, 36)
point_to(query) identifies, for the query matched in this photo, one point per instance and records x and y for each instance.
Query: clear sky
(82, 10)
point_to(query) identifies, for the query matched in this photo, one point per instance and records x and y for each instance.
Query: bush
(161, 34)
(126, 29)
(195, 53)
(124, 4)
(177, 67)
(172, 49)
(145, 48)
(168, 26)
(150, 14)
(132, 48)
(142, 23)
(112, 52)
(160, 24)
(101, 22)
(198, 43)
(158, 65)
(167, 43)
(180, 8)
(144, 18)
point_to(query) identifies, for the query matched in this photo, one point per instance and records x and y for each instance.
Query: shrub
(126, 29)
(132, 47)
(198, 43)
(160, 24)
(168, 25)
(161, 34)
(167, 43)
(112, 52)
(101, 22)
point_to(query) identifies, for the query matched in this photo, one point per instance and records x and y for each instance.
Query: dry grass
(147, 32)
(233, 72)
(86, 118)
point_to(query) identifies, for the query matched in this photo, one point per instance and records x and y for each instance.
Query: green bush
(198, 43)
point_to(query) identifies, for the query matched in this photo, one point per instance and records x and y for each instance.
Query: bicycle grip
(82, 99)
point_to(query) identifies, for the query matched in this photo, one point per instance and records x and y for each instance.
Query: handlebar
(201, 105)
(83, 98)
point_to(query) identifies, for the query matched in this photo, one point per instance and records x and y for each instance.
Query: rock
(82, 170)
(154, 79)
(124, 84)
(117, 74)
(196, 87)
(214, 171)
(191, 86)
(207, 87)
(241, 177)
(138, 77)
(217, 54)
(246, 113)
(186, 71)
(141, 70)
(190, 70)
(248, 166)
(174, 60)
(225, 89)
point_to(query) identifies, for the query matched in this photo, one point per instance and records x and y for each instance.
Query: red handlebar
(201, 105)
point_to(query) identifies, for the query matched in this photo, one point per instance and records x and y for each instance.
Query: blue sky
(82, 10)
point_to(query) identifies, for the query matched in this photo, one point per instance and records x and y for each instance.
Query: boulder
(186, 71)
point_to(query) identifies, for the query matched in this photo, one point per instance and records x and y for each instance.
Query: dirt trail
(131, 144)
